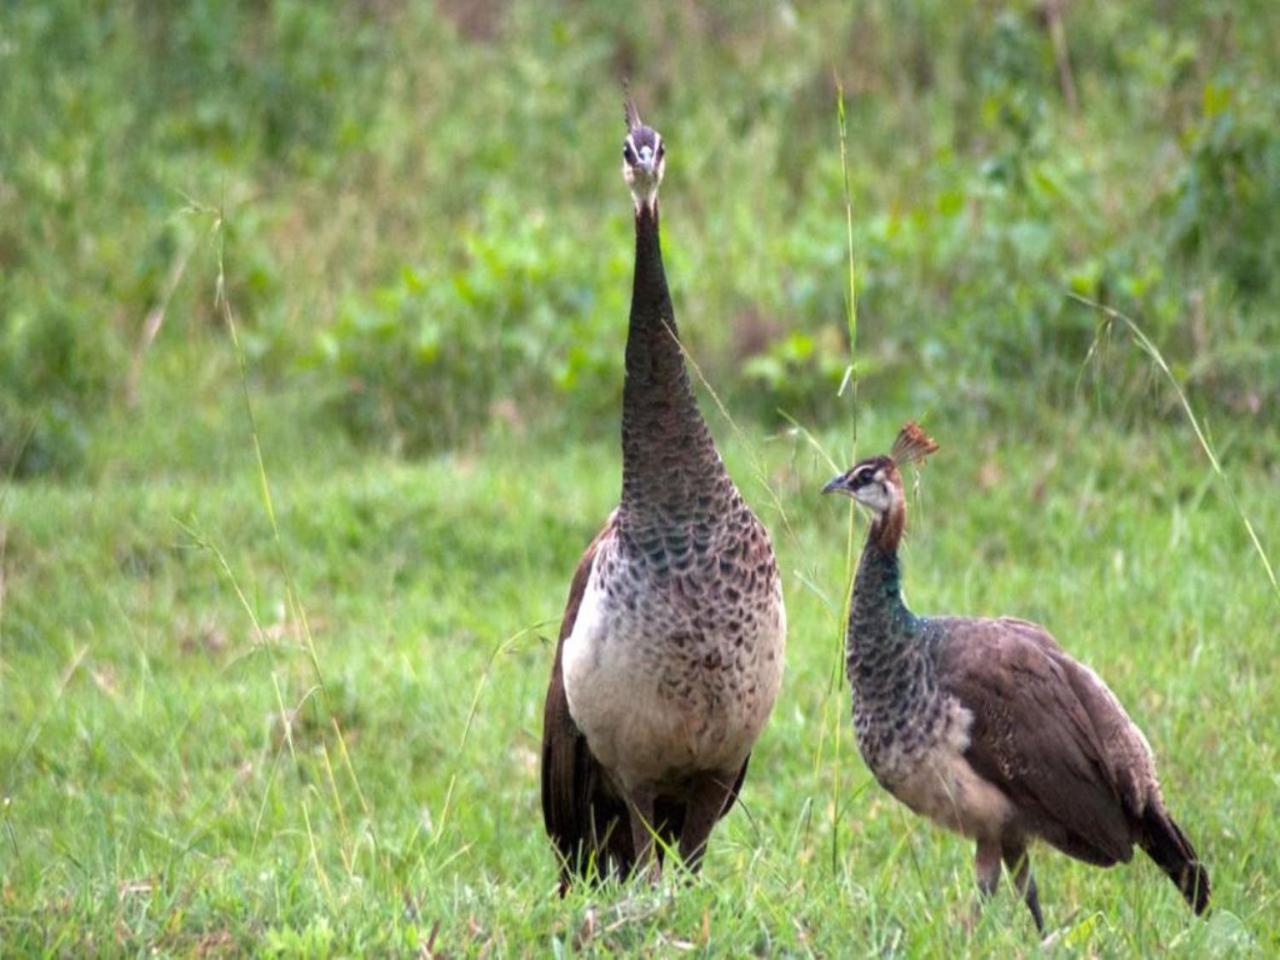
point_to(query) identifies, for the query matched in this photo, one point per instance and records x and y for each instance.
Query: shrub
(526, 311)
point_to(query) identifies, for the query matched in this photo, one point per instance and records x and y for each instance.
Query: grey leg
(710, 794)
(642, 827)
(987, 866)
(1018, 863)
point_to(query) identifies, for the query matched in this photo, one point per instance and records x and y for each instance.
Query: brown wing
(1043, 731)
(585, 820)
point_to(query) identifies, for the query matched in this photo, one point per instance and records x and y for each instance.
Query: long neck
(878, 616)
(889, 655)
(668, 456)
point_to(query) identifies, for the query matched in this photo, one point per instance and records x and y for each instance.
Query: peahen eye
(627, 154)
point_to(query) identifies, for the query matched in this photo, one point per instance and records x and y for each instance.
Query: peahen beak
(837, 484)
(648, 160)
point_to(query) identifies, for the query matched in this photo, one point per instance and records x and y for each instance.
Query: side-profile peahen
(988, 727)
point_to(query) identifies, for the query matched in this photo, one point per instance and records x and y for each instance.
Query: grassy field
(217, 737)
(271, 676)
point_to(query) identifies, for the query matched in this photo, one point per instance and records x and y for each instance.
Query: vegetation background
(311, 324)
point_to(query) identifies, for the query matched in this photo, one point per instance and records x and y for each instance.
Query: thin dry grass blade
(1151, 350)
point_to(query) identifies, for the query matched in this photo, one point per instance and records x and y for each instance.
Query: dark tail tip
(1195, 888)
(1168, 846)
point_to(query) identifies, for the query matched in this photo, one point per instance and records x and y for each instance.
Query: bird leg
(642, 830)
(987, 867)
(1018, 863)
(710, 794)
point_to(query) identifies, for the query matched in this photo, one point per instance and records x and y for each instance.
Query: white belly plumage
(661, 690)
(937, 781)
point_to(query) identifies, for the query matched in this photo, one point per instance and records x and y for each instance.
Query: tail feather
(595, 842)
(1168, 846)
(593, 836)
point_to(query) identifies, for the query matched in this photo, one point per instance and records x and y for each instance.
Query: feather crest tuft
(912, 445)
(629, 111)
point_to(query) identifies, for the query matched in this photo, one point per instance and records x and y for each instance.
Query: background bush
(422, 225)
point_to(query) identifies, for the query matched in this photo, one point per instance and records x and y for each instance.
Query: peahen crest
(912, 445)
(630, 112)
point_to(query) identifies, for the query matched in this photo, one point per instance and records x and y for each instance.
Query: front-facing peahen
(988, 727)
(671, 646)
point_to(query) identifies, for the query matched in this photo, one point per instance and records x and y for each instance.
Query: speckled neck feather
(890, 657)
(670, 467)
(889, 651)
(878, 611)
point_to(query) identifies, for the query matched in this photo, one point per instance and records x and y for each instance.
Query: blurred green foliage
(422, 225)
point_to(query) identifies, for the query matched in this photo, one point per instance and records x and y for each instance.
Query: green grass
(153, 795)
(267, 685)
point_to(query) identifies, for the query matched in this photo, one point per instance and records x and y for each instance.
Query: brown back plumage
(1056, 740)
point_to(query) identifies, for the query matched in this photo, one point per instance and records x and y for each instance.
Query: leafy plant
(525, 312)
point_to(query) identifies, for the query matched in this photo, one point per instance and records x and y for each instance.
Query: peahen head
(643, 160)
(876, 482)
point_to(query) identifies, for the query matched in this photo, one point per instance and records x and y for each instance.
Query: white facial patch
(642, 168)
(878, 494)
